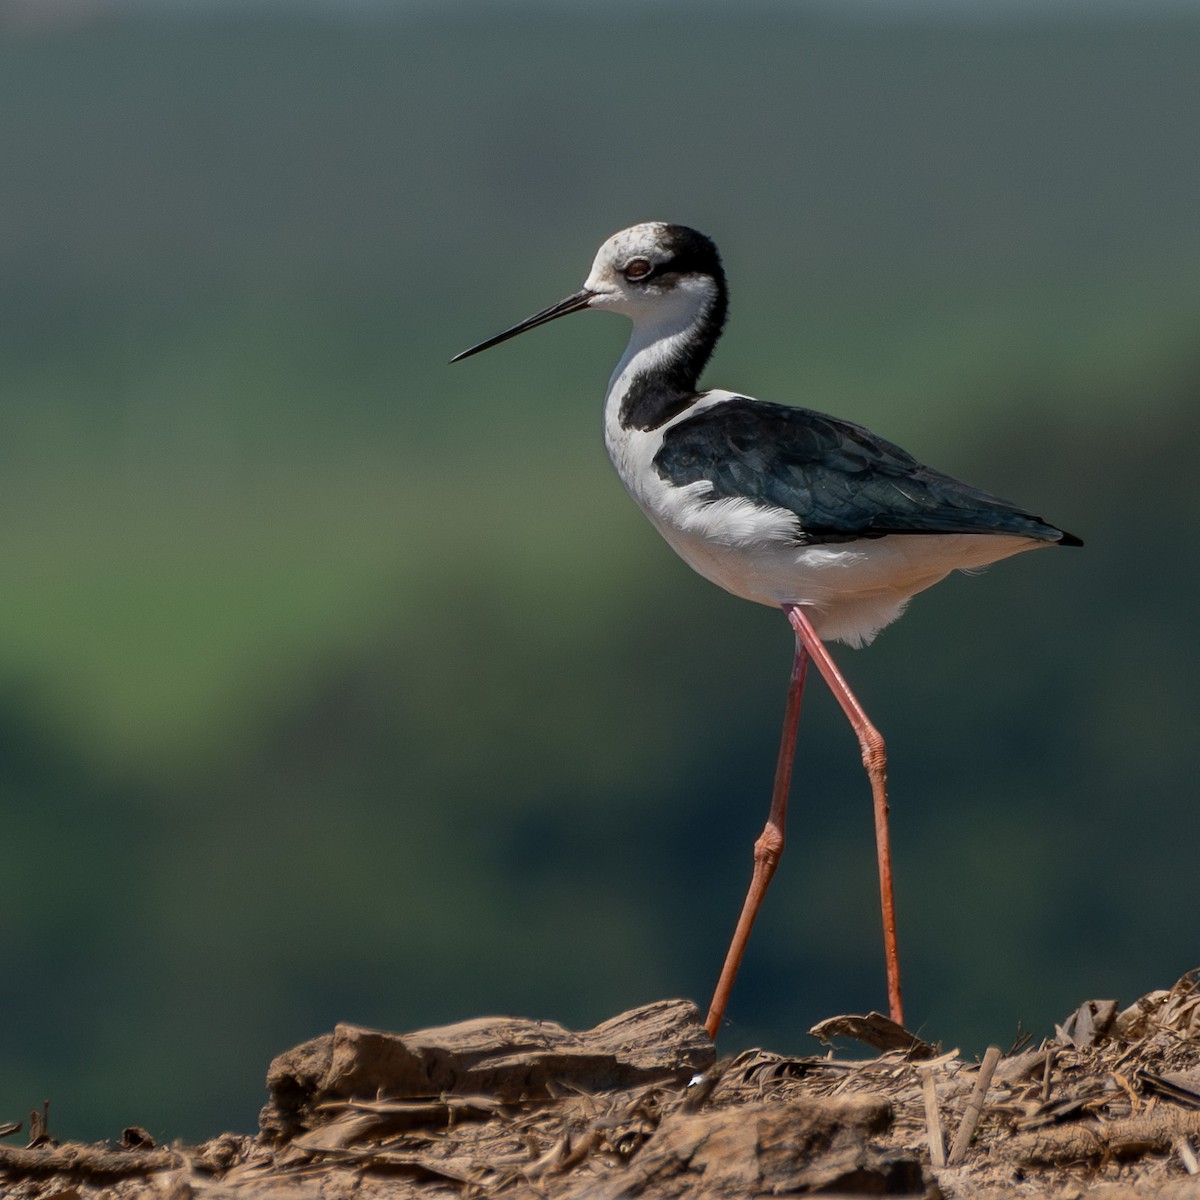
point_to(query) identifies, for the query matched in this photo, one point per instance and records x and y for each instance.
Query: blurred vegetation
(339, 685)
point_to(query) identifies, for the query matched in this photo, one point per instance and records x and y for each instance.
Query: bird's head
(654, 273)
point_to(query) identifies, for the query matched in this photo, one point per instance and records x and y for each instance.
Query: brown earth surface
(640, 1107)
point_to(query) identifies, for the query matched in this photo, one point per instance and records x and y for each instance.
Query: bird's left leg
(768, 849)
(874, 755)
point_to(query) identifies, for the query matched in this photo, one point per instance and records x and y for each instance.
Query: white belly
(851, 589)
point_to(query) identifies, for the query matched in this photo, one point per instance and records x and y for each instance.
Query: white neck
(651, 349)
(671, 339)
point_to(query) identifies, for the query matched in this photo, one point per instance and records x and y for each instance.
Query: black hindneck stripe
(653, 397)
(651, 401)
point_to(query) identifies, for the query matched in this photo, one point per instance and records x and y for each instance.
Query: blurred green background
(337, 684)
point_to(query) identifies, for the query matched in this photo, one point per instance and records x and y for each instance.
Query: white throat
(663, 332)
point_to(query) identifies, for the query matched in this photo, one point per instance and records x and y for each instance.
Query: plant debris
(639, 1108)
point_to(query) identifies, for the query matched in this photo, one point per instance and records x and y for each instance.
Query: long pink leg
(874, 756)
(769, 847)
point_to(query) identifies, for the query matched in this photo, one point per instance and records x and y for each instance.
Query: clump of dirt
(639, 1107)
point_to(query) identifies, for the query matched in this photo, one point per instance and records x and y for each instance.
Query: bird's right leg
(769, 847)
(874, 756)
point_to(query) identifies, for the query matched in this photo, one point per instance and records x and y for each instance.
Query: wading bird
(784, 506)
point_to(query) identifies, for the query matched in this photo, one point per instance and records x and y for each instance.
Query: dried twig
(1048, 1074)
(970, 1121)
(1183, 1147)
(39, 1126)
(933, 1121)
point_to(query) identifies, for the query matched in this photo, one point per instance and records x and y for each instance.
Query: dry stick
(1183, 1148)
(1048, 1074)
(970, 1121)
(933, 1122)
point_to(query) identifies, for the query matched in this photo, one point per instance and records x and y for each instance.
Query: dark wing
(841, 480)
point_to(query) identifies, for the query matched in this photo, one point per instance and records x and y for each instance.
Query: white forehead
(645, 239)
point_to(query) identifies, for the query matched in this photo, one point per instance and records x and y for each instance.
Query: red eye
(637, 268)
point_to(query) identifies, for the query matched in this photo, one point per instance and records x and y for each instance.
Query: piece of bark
(1088, 1024)
(1015, 1068)
(84, 1161)
(1167, 1189)
(874, 1030)
(1183, 1087)
(503, 1057)
(1139, 1019)
(764, 1149)
(1130, 1137)
(1057, 1112)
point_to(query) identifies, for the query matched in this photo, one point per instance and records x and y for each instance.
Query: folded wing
(840, 480)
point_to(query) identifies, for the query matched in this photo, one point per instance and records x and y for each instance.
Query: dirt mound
(639, 1107)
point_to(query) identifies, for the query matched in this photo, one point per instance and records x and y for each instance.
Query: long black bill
(575, 303)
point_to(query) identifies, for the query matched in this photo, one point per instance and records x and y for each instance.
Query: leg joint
(874, 750)
(768, 850)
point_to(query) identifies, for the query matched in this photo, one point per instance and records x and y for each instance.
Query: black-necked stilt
(784, 506)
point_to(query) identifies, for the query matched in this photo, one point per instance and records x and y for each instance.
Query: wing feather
(839, 479)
